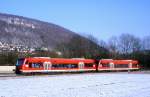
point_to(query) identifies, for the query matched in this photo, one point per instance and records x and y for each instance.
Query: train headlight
(26, 65)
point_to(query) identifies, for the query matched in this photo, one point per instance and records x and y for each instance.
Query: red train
(45, 64)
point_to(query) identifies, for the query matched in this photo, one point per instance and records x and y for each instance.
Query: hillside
(32, 33)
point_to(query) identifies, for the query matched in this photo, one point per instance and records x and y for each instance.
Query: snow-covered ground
(77, 85)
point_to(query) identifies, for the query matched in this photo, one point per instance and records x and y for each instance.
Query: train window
(26, 62)
(72, 65)
(41, 65)
(121, 65)
(88, 65)
(57, 66)
(35, 65)
(64, 66)
(20, 62)
(30, 65)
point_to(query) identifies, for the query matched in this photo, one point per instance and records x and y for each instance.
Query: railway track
(13, 75)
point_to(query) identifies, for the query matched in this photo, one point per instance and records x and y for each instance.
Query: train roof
(107, 61)
(59, 60)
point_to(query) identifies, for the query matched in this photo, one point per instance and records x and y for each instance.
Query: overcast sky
(101, 18)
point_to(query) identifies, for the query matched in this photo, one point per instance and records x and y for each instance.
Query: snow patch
(80, 85)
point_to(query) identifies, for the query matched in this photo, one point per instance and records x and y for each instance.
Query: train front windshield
(20, 62)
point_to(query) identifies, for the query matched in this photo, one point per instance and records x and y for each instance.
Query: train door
(99, 66)
(81, 65)
(111, 65)
(130, 65)
(47, 65)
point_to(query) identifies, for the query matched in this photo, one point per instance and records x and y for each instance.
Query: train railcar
(42, 64)
(115, 65)
(45, 64)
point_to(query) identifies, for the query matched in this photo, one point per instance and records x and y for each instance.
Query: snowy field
(77, 85)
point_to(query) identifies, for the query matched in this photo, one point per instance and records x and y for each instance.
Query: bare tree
(146, 43)
(102, 44)
(113, 44)
(86, 47)
(129, 43)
